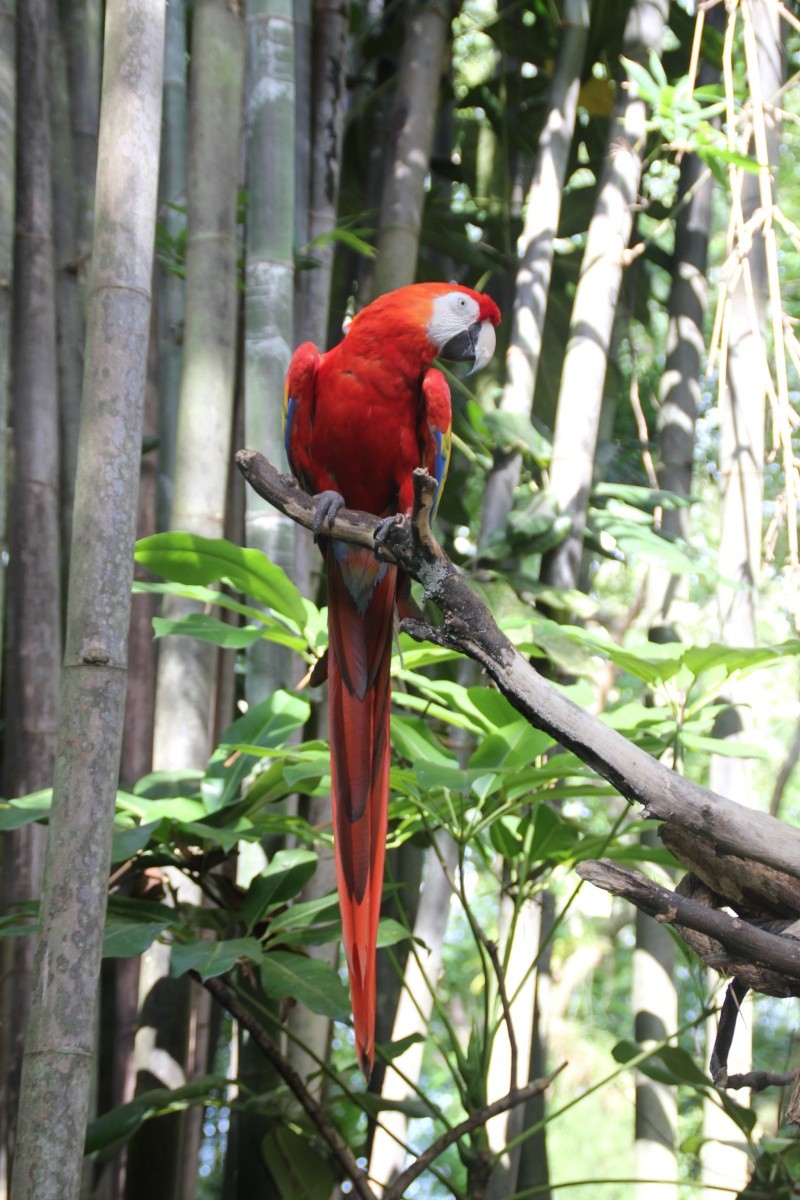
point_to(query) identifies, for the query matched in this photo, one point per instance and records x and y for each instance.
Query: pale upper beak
(476, 343)
(484, 346)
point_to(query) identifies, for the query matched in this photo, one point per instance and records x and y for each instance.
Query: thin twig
(397, 1190)
(491, 950)
(726, 1027)
(328, 1131)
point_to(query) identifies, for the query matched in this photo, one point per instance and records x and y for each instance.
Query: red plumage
(359, 420)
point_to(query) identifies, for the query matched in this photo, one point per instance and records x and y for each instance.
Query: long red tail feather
(359, 694)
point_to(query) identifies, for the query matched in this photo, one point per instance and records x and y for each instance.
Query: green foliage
(511, 805)
(521, 811)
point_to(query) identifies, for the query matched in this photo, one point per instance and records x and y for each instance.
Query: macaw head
(462, 325)
(444, 320)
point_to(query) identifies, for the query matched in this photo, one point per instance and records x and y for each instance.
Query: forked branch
(469, 627)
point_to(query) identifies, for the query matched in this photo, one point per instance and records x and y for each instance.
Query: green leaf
(347, 237)
(281, 880)
(304, 914)
(514, 431)
(14, 815)
(174, 808)
(390, 932)
(516, 745)
(211, 958)
(504, 836)
(745, 1118)
(127, 843)
(740, 659)
(374, 1105)
(22, 921)
(209, 629)
(391, 1050)
(309, 980)
(203, 596)
(493, 706)
(267, 725)
(297, 1170)
(716, 154)
(162, 785)
(645, 498)
(666, 1064)
(645, 85)
(435, 775)
(126, 939)
(553, 837)
(724, 747)
(189, 558)
(114, 1129)
(683, 1066)
(415, 742)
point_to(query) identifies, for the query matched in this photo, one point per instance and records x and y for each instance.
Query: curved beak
(484, 346)
(476, 343)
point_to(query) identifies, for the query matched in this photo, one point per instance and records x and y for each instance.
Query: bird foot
(385, 527)
(328, 505)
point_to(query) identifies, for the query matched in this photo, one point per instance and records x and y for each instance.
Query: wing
(299, 394)
(436, 429)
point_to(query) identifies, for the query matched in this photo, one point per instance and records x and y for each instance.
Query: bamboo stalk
(586, 360)
(187, 669)
(269, 288)
(427, 40)
(59, 1047)
(535, 255)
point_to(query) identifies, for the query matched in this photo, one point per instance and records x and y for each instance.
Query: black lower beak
(462, 347)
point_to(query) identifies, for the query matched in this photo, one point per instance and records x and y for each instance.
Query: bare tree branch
(746, 940)
(397, 1190)
(469, 627)
(327, 1130)
(757, 1081)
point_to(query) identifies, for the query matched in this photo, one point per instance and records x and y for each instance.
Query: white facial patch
(453, 313)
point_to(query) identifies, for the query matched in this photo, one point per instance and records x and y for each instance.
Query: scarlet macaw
(357, 422)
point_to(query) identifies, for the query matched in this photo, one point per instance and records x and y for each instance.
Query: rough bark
(595, 305)
(59, 1047)
(535, 255)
